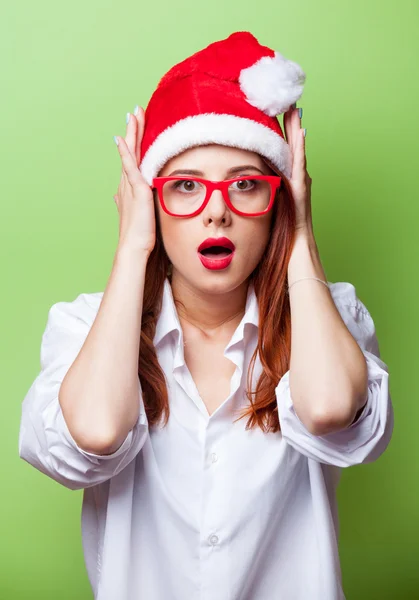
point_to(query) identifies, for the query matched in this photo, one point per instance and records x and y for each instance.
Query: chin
(212, 282)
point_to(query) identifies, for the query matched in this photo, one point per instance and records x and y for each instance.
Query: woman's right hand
(134, 198)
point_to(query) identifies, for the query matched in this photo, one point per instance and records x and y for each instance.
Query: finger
(289, 136)
(128, 161)
(288, 125)
(304, 151)
(140, 131)
(130, 170)
(295, 126)
(131, 133)
(299, 162)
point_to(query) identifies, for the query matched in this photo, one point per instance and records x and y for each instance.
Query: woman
(167, 397)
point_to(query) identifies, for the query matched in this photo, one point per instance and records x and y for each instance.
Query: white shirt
(203, 509)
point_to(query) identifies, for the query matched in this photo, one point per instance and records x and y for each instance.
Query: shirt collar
(168, 319)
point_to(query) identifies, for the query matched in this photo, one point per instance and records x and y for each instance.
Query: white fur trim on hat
(272, 84)
(212, 128)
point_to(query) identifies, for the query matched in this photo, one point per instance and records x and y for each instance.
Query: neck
(212, 313)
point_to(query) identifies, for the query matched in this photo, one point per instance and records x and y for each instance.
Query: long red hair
(274, 336)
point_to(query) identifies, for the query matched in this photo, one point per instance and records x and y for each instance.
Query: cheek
(254, 240)
(177, 239)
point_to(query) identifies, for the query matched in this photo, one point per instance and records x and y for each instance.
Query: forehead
(215, 156)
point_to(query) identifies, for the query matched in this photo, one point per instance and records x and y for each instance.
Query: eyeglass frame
(274, 180)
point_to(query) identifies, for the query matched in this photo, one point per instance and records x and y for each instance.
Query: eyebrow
(229, 172)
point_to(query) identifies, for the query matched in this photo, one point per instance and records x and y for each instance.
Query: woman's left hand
(300, 181)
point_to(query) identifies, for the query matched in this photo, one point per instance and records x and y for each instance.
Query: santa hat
(228, 93)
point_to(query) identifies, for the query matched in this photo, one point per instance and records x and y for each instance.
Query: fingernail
(300, 112)
(305, 132)
(127, 119)
(115, 139)
(136, 110)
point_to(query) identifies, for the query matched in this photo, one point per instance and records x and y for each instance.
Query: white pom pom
(272, 84)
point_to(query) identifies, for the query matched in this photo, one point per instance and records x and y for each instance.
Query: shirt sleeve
(45, 441)
(369, 435)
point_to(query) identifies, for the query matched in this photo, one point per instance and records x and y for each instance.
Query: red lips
(221, 241)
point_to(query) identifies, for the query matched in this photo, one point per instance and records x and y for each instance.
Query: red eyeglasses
(188, 196)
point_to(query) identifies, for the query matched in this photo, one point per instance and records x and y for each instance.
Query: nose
(216, 211)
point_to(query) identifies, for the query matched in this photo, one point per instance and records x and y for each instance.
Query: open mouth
(216, 252)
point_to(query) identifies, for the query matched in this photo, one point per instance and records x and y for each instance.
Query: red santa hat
(228, 93)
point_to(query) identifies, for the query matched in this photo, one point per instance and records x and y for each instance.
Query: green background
(70, 72)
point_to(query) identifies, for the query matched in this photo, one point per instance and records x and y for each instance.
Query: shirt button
(214, 457)
(213, 539)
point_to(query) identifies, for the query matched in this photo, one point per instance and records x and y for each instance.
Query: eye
(245, 184)
(190, 186)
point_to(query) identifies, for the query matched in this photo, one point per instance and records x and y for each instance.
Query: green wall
(70, 71)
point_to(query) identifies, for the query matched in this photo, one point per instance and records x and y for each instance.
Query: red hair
(274, 336)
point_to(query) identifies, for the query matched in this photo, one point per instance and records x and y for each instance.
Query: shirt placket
(216, 490)
(214, 554)
(216, 494)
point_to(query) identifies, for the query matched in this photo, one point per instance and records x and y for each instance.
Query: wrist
(304, 243)
(131, 252)
(305, 258)
(305, 232)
